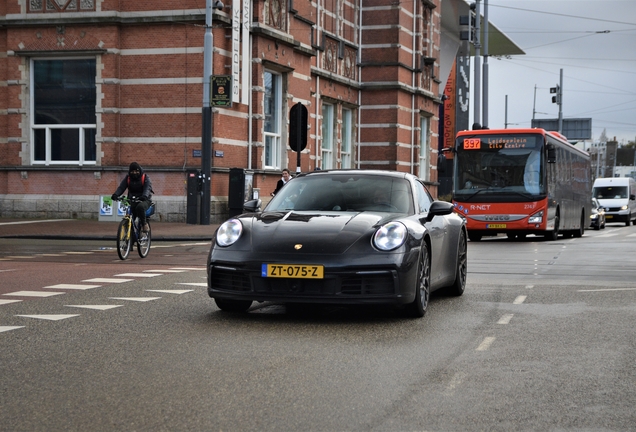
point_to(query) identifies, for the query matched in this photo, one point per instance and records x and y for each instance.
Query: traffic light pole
(560, 99)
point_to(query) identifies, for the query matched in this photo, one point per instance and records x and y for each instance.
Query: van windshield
(610, 192)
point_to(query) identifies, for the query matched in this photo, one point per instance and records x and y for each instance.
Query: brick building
(89, 86)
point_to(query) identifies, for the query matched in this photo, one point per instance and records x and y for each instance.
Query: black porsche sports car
(341, 237)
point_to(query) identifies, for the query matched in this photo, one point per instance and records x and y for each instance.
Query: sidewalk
(92, 229)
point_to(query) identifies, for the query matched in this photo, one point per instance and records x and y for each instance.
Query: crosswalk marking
(9, 328)
(165, 271)
(33, 293)
(107, 280)
(190, 268)
(73, 286)
(138, 274)
(170, 291)
(9, 301)
(55, 317)
(96, 307)
(201, 284)
(137, 299)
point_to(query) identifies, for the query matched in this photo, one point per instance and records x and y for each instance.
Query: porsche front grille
(349, 284)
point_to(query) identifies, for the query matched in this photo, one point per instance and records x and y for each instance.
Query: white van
(617, 195)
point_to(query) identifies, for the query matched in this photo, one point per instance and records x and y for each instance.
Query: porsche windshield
(344, 192)
(499, 164)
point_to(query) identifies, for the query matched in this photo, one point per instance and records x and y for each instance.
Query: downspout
(249, 111)
(359, 62)
(318, 32)
(413, 89)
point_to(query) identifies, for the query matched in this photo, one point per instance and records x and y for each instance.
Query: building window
(275, 14)
(63, 111)
(347, 134)
(327, 136)
(425, 148)
(61, 5)
(272, 111)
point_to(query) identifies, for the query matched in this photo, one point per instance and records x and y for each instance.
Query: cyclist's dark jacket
(135, 186)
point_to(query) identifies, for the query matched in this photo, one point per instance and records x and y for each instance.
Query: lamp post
(207, 120)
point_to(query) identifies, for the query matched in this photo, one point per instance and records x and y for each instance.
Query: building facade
(88, 86)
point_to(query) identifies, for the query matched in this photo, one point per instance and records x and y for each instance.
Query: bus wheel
(579, 232)
(474, 237)
(553, 235)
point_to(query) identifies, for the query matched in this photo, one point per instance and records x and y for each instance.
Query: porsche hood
(308, 232)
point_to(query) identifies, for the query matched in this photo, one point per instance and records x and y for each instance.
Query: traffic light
(556, 90)
(467, 24)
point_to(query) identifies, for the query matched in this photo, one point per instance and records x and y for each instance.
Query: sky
(592, 41)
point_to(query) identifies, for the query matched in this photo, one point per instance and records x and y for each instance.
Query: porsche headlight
(390, 236)
(229, 232)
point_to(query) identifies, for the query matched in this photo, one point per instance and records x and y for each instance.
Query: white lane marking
(165, 271)
(170, 291)
(608, 289)
(190, 268)
(201, 284)
(96, 307)
(51, 255)
(34, 221)
(107, 280)
(72, 286)
(138, 275)
(137, 299)
(485, 344)
(7, 270)
(529, 286)
(78, 253)
(20, 257)
(33, 294)
(9, 301)
(610, 234)
(520, 299)
(9, 328)
(505, 319)
(49, 317)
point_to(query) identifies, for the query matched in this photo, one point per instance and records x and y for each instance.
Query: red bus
(519, 182)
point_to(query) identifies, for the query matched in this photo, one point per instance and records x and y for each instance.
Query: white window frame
(272, 152)
(425, 148)
(347, 138)
(48, 128)
(326, 145)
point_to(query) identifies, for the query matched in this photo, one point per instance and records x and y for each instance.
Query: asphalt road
(542, 340)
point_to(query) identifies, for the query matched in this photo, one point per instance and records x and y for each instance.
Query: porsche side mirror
(252, 206)
(439, 208)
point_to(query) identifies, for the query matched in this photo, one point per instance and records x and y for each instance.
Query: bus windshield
(499, 164)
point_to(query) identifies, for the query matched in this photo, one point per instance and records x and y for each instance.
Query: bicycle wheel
(123, 239)
(143, 242)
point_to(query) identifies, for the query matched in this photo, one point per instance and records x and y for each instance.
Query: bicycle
(130, 231)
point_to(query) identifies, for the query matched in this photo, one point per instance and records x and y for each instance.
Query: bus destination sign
(496, 143)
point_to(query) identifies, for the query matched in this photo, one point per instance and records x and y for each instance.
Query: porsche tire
(417, 308)
(233, 305)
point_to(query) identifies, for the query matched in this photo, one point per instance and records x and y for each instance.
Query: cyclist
(139, 186)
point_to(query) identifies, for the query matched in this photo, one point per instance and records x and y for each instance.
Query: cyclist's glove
(114, 197)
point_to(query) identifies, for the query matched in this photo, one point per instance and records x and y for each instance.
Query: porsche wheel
(417, 308)
(233, 305)
(458, 287)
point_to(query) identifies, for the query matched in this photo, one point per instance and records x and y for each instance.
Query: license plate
(293, 271)
(495, 226)
(608, 216)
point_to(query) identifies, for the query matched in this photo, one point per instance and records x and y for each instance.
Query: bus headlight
(536, 218)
